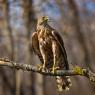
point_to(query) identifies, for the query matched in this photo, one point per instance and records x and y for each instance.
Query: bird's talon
(54, 69)
(41, 68)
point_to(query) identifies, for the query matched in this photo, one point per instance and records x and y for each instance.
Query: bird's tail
(63, 83)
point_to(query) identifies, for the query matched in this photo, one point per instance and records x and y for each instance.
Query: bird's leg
(44, 56)
(54, 49)
(54, 68)
(44, 64)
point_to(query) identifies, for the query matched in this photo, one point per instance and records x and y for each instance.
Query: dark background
(73, 19)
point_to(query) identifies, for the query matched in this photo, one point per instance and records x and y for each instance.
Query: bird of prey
(49, 47)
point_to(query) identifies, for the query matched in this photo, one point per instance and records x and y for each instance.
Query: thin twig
(25, 67)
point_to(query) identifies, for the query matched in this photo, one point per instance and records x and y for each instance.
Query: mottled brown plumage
(49, 46)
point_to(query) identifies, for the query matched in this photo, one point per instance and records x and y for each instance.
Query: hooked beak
(49, 20)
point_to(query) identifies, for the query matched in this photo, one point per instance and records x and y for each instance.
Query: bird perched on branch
(49, 46)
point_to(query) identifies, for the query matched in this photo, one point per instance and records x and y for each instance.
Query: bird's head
(43, 20)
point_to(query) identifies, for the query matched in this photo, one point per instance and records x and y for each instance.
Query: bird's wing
(35, 46)
(61, 44)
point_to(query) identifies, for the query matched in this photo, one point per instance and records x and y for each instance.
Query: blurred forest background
(74, 19)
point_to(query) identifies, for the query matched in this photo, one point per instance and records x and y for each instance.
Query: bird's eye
(43, 18)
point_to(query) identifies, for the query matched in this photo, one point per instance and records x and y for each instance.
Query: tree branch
(75, 71)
